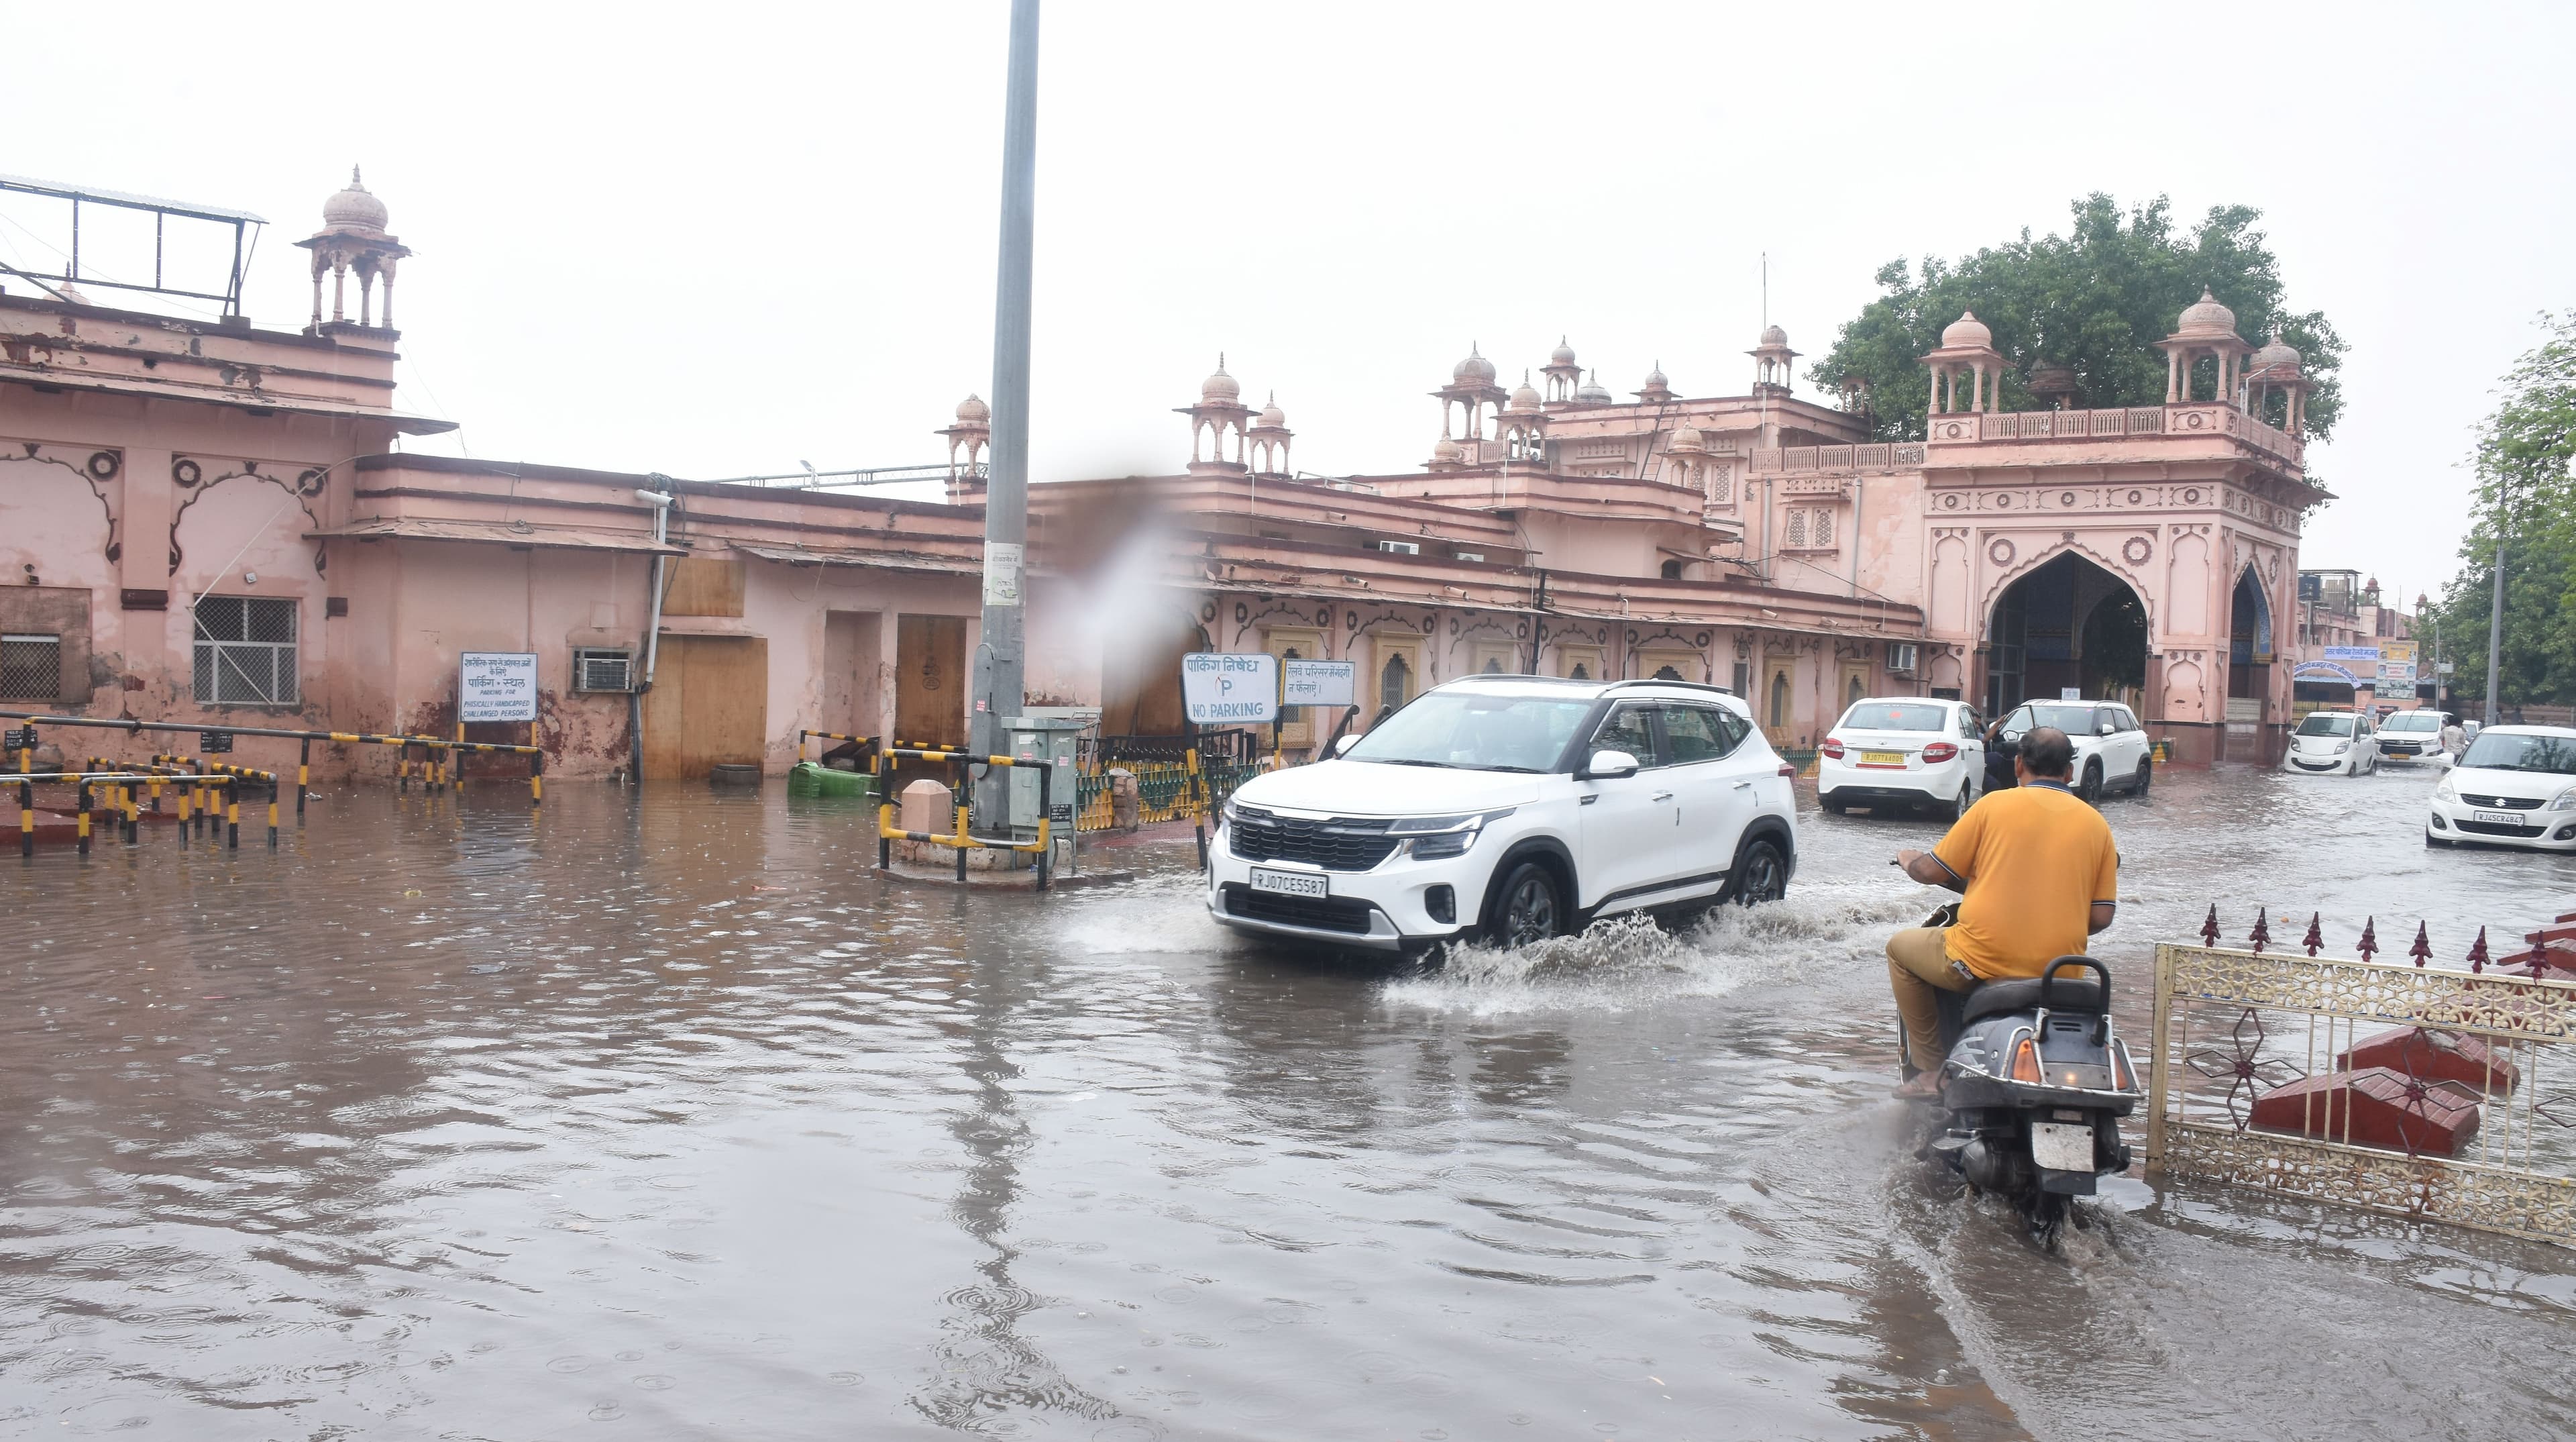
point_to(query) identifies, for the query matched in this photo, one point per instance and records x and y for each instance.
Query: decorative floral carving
(2138, 550)
(2001, 551)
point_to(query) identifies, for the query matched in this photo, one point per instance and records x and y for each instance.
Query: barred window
(1721, 486)
(245, 652)
(1797, 525)
(1822, 533)
(31, 668)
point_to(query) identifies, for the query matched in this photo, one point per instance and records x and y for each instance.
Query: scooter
(2032, 1089)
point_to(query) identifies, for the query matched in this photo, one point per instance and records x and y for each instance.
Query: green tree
(2094, 300)
(2525, 493)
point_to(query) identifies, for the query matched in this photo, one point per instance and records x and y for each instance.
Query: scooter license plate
(2062, 1146)
(1290, 883)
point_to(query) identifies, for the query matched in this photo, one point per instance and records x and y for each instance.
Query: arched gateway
(2065, 624)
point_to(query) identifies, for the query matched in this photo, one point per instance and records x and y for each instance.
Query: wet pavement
(662, 1118)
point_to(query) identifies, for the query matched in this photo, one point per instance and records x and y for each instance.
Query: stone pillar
(929, 806)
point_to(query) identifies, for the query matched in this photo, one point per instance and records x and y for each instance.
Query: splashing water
(1630, 961)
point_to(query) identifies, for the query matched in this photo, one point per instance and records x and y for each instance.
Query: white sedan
(1902, 752)
(2333, 743)
(2515, 786)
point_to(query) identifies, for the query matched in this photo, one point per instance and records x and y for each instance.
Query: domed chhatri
(1475, 370)
(1524, 395)
(1774, 335)
(355, 208)
(973, 411)
(1271, 416)
(1220, 386)
(1563, 354)
(1687, 442)
(2279, 356)
(2206, 316)
(1966, 333)
(1593, 392)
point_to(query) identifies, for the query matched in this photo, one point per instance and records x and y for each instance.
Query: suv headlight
(2566, 801)
(1433, 838)
(2446, 791)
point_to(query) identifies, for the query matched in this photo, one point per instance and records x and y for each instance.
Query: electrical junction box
(1049, 739)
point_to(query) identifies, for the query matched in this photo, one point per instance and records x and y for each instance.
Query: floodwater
(664, 1118)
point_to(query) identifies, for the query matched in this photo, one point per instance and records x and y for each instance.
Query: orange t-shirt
(2035, 858)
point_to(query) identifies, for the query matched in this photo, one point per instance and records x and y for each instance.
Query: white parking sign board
(1319, 683)
(1223, 688)
(496, 686)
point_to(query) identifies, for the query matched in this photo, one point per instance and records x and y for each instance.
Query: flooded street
(667, 1118)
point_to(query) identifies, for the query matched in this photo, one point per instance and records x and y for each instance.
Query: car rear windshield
(1474, 731)
(2321, 724)
(2554, 755)
(1895, 716)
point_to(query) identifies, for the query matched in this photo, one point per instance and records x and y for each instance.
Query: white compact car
(1512, 807)
(1903, 752)
(2514, 786)
(2112, 751)
(2412, 736)
(2333, 743)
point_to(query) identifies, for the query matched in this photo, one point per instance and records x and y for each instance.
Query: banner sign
(2353, 653)
(1223, 688)
(215, 743)
(2397, 665)
(2323, 671)
(1320, 683)
(496, 686)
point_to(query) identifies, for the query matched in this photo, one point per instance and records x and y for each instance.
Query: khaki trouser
(1916, 964)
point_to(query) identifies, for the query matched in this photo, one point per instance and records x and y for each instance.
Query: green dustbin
(812, 779)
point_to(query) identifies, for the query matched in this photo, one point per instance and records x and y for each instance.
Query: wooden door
(930, 679)
(709, 705)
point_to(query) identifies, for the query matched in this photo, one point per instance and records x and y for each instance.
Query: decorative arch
(188, 476)
(94, 471)
(2037, 559)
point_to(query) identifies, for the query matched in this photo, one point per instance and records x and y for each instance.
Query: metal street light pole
(2495, 623)
(1000, 656)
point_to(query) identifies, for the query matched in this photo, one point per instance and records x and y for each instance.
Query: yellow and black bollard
(26, 817)
(84, 818)
(232, 816)
(303, 777)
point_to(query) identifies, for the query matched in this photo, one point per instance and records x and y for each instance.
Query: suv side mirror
(1343, 746)
(2106, 728)
(1608, 765)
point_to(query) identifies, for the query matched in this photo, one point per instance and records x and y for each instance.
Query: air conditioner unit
(1901, 657)
(596, 670)
(1401, 548)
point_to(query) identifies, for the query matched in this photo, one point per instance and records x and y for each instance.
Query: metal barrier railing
(435, 773)
(964, 840)
(118, 788)
(2453, 1107)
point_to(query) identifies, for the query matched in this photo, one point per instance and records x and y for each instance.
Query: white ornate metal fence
(2411, 1090)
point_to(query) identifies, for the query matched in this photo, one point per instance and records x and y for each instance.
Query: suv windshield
(1894, 716)
(2072, 719)
(2555, 755)
(2321, 724)
(1475, 731)
(2413, 721)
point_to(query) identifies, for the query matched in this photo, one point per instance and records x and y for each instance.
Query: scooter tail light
(2120, 1078)
(1939, 751)
(1833, 748)
(2025, 1067)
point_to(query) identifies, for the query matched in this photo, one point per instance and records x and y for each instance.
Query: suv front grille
(2501, 803)
(1337, 843)
(1332, 913)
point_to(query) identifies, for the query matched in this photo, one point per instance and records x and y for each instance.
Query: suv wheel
(1528, 906)
(2146, 775)
(1761, 873)
(2091, 787)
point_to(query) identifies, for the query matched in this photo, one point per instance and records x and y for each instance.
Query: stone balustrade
(1976, 427)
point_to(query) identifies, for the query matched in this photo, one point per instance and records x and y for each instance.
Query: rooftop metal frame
(244, 226)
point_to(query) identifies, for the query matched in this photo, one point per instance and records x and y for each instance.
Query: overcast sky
(720, 243)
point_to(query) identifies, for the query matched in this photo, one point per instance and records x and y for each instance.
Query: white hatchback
(2514, 786)
(1903, 752)
(2333, 743)
(1515, 807)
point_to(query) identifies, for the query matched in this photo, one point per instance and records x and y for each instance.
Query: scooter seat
(2000, 998)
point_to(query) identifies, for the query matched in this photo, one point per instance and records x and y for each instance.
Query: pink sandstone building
(209, 521)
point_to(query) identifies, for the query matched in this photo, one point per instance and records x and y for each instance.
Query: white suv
(2112, 751)
(1513, 807)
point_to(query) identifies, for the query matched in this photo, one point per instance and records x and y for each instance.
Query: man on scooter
(2038, 874)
